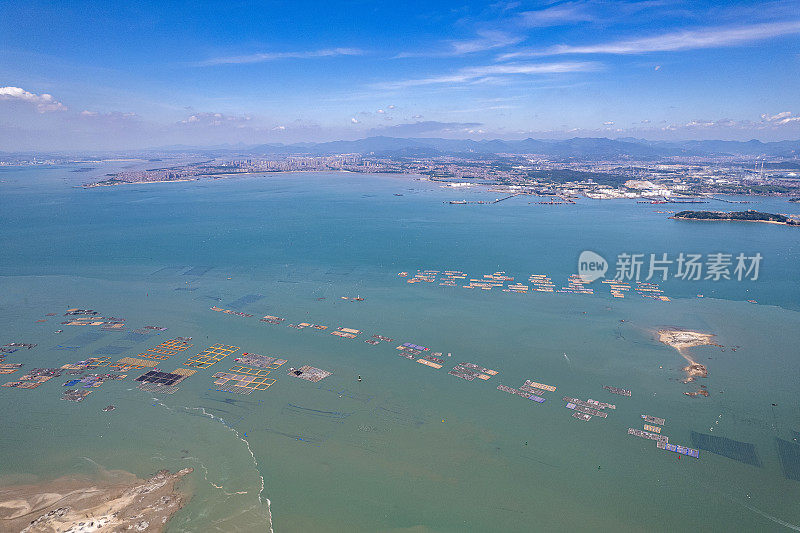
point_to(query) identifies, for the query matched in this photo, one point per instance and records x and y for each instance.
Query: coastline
(232, 174)
(732, 220)
(82, 505)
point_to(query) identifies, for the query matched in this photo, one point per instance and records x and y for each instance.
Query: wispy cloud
(777, 122)
(429, 127)
(485, 40)
(275, 56)
(481, 74)
(673, 42)
(557, 15)
(44, 102)
(215, 120)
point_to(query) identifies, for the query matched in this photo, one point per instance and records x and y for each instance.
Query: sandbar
(79, 505)
(681, 340)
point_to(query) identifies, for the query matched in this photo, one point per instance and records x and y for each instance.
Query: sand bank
(681, 340)
(82, 506)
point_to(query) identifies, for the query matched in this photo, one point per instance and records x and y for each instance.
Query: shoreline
(83, 505)
(732, 220)
(232, 174)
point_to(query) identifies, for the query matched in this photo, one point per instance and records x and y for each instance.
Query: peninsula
(81, 506)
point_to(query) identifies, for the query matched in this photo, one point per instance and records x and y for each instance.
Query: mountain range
(578, 147)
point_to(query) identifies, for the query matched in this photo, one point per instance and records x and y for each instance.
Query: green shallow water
(409, 447)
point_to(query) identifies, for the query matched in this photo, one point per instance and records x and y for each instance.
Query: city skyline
(89, 77)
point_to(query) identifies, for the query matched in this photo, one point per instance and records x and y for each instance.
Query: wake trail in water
(770, 517)
(252, 456)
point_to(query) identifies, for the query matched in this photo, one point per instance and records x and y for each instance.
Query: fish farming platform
(167, 349)
(8, 368)
(647, 435)
(260, 361)
(431, 361)
(470, 371)
(309, 373)
(240, 369)
(663, 445)
(161, 378)
(129, 363)
(653, 420)
(589, 407)
(75, 395)
(92, 362)
(412, 351)
(415, 347)
(532, 386)
(211, 355)
(34, 378)
(617, 390)
(241, 381)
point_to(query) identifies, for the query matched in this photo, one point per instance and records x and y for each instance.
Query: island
(742, 216)
(681, 340)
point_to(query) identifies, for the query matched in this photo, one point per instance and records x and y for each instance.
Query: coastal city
(672, 180)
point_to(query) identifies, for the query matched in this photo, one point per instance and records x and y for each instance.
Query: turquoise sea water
(410, 447)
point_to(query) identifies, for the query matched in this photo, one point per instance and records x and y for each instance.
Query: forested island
(745, 216)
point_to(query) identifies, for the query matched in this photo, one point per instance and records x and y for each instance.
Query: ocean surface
(408, 447)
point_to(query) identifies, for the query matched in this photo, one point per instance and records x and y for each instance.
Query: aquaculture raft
(211, 355)
(309, 373)
(261, 361)
(241, 383)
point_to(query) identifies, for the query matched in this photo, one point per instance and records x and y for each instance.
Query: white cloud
(111, 116)
(488, 73)
(44, 102)
(609, 123)
(273, 56)
(215, 119)
(354, 120)
(775, 122)
(557, 15)
(673, 42)
(781, 118)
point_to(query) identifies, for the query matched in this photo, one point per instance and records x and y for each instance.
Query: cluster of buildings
(670, 178)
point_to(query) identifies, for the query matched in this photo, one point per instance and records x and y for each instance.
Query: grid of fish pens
(211, 355)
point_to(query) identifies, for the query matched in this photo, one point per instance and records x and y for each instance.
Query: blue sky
(114, 75)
